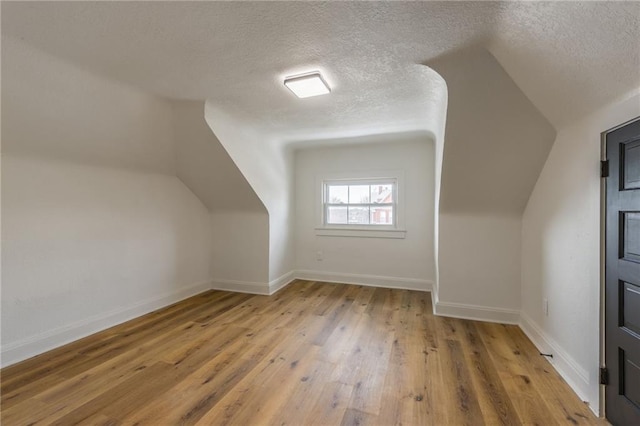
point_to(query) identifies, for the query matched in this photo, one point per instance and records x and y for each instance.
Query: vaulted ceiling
(568, 57)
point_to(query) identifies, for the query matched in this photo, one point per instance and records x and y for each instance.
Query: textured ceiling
(569, 58)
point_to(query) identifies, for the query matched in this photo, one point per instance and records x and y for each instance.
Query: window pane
(382, 215)
(359, 215)
(359, 194)
(336, 215)
(338, 194)
(382, 193)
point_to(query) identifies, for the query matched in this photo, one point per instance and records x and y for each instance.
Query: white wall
(405, 262)
(495, 145)
(240, 257)
(239, 220)
(269, 170)
(561, 248)
(86, 247)
(479, 266)
(104, 235)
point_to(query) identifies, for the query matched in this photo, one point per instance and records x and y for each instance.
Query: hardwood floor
(313, 354)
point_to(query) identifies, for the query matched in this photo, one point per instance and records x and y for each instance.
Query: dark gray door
(622, 275)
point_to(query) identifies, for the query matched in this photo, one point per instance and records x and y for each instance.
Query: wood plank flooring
(313, 354)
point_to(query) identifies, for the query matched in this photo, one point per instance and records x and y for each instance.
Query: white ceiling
(569, 58)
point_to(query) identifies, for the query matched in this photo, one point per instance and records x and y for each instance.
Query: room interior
(151, 152)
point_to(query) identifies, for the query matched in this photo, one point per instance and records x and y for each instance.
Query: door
(622, 275)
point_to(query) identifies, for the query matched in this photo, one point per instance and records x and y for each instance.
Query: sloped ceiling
(496, 139)
(204, 165)
(568, 58)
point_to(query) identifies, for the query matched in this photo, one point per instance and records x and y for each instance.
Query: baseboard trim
(476, 312)
(576, 376)
(254, 287)
(281, 282)
(250, 287)
(366, 280)
(43, 342)
(330, 277)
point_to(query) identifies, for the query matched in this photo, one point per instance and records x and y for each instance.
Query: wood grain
(313, 354)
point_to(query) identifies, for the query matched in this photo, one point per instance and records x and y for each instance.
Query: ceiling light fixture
(307, 85)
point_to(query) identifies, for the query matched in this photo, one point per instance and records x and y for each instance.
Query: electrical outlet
(545, 307)
(319, 256)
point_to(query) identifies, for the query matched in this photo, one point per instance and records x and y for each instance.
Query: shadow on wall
(96, 227)
(266, 160)
(496, 143)
(239, 219)
(204, 165)
(269, 170)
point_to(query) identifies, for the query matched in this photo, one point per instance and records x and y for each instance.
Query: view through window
(360, 203)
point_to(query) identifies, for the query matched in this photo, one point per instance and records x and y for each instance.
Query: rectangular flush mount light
(307, 85)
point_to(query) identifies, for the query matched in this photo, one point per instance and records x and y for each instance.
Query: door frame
(603, 259)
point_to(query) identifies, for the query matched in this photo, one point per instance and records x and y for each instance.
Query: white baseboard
(576, 376)
(476, 312)
(366, 280)
(281, 282)
(251, 287)
(31, 346)
(329, 277)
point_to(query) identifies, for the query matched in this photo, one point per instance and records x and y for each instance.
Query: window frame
(394, 230)
(359, 182)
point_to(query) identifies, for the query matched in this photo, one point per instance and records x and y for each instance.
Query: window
(360, 203)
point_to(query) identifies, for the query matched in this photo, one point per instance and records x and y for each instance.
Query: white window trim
(361, 231)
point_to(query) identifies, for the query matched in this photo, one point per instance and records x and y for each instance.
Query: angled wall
(561, 249)
(268, 168)
(204, 165)
(96, 227)
(115, 203)
(239, 220)
(495, 144)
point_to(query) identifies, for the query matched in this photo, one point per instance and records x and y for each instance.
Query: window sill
(361, 233)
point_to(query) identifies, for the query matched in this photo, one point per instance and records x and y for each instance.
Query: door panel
(622, 275)
(631, 164)
(631, 240)
(630, 377)
(630, 297)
